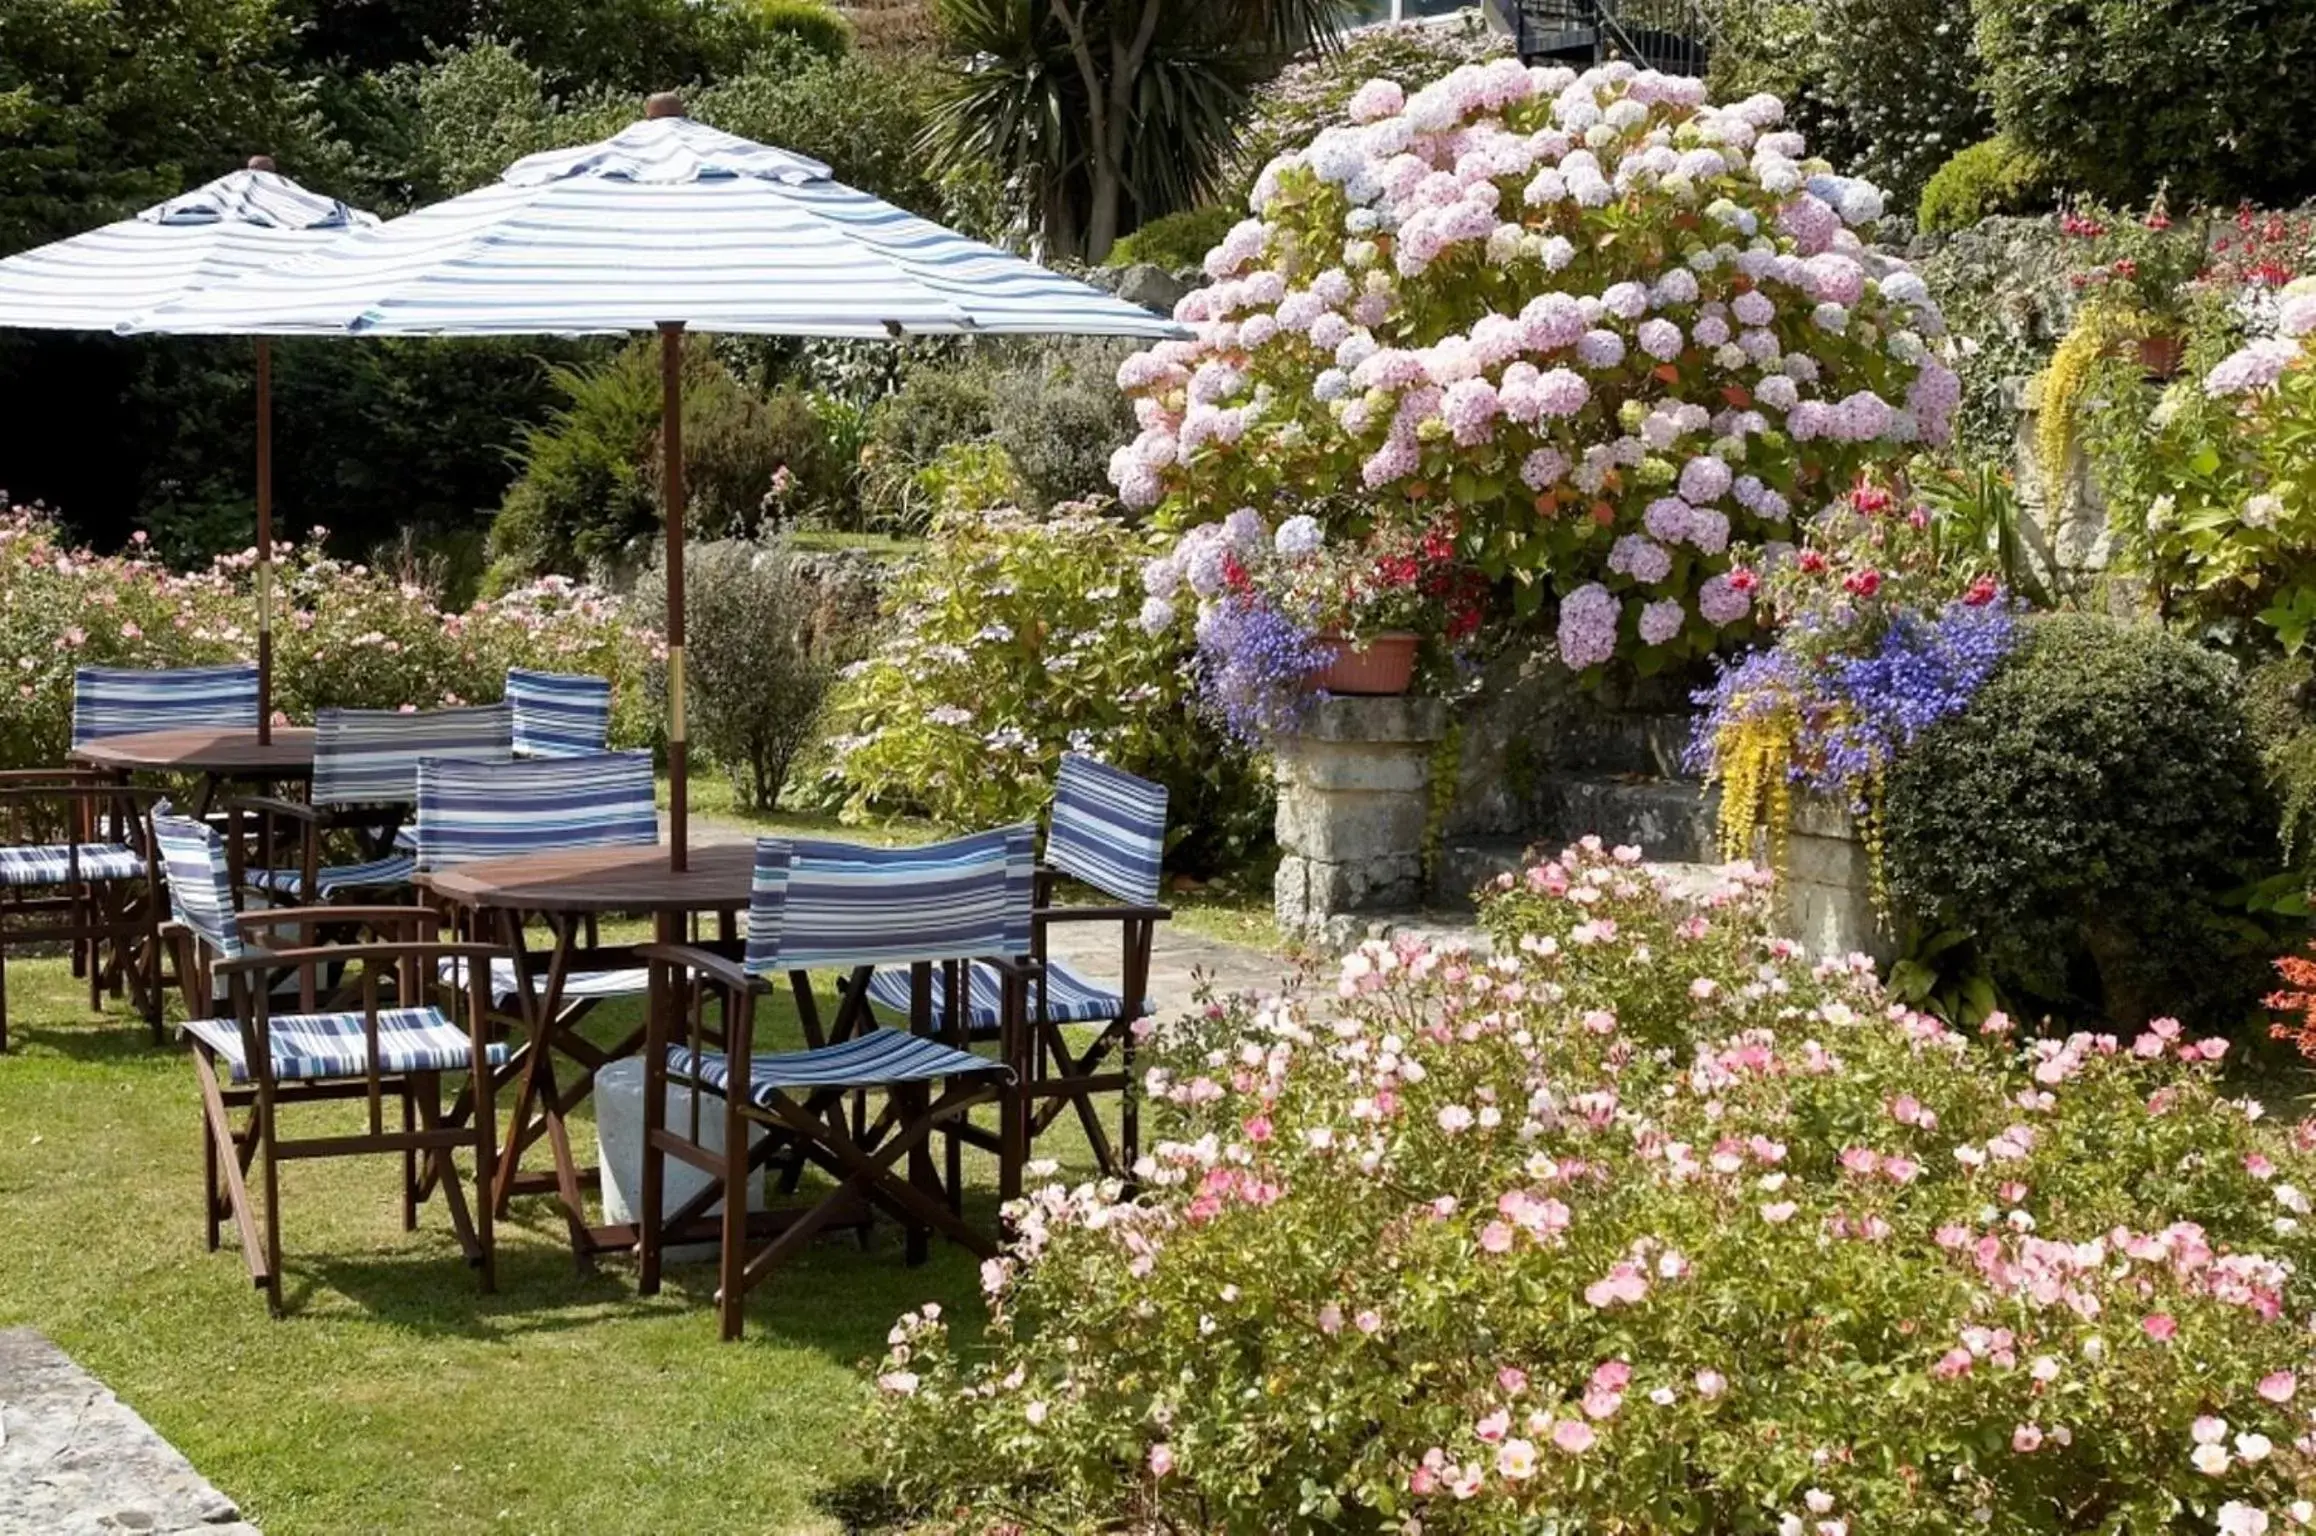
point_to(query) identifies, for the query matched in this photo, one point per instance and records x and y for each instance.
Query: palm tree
(1105, 114)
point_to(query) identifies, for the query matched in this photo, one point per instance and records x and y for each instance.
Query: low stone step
(1669, 820)
(1629, 745)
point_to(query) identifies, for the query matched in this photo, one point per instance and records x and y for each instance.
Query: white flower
(2210, 1460)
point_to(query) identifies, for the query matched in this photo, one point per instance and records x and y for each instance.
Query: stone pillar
(1826, 896)
(1354, 799)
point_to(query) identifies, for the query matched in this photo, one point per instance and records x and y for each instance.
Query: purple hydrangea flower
(1588, 621)
(1704, 479)
(1660, 339)
(1643, 559)
(1662, 620)
(1600, 349)
(1721, 603)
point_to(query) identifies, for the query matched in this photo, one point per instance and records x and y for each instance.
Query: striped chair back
(117, 701)
(1108, 829)
(200, 885)
(837, 906)
(559, 714)
(469, 811)
(371, 756)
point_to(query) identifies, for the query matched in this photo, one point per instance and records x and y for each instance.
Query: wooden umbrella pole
(264, 541)
(671, 435)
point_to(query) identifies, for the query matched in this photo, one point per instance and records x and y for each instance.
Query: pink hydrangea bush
(1616, 330)
(344, 633)
(1646, 1224)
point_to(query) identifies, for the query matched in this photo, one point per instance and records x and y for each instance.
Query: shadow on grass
(102, 1039)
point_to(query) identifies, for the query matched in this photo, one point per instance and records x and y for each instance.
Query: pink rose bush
(1649, 1223)
(344, 633)
(1582, 314)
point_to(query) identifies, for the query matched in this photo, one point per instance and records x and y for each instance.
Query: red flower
(2159, 220)
(1234, 574)
(1871, 500)
(1811, 562)
(1743, 580)
(1981, 592)
(1865, 583)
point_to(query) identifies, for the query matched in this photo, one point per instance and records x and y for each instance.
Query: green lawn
(394, 1398)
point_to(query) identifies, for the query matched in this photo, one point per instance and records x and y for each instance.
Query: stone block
(1392, 769)
(1403, 718)
(1345, 828)
(1308, 893)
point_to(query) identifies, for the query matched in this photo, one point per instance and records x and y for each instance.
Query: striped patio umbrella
(666, 225)
(194, 243)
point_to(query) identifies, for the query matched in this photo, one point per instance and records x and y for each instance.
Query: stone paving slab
(77, 1461)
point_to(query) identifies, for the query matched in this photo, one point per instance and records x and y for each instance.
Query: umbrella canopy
(667, 221)
(667, 225)
(214, 235)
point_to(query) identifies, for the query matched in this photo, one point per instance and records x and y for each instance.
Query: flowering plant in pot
(1614, 327)
(1876, 643)
(1279, 617)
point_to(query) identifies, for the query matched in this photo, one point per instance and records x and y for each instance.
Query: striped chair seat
(52, 864)
(589, 986)
(395, 869)
(874, 1059)
(307, 1046)
(1069, 998)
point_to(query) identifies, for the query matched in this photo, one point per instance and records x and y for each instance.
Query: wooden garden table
(218, 755)
(568, 890)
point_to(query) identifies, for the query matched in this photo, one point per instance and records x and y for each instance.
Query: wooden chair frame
(812, 1128)
(1065, 1079)
(403, 953)
(87, 914)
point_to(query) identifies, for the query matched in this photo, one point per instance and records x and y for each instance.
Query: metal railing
(1674, 36)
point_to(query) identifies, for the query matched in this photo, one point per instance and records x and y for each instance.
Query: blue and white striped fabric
(469, 811)
(836, 906)
(668, 220)
(872, 1059)
(200, 884)
(214, 234)
(308, 1046)
(381, 874)
(1108, 829)
(559, 714)
(371, 756)
(119, 701)
(58, 864)
(1069, 998)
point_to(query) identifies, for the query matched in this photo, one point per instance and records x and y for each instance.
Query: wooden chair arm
(270, 805)
(1051, 915)
(285, 959)
(284, 917)
(717, 968)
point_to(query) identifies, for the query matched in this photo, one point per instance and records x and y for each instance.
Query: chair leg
(921, 1176)
(3, 994)
(732, 1289)
(409, 1163)
(270, 1172)
(209, 1176)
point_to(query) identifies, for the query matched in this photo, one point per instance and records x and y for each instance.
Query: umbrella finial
(664, 104)
(261, 162)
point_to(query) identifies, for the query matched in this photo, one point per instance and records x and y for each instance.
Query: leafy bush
(345, 634)
(1176, 241)
(2125, 98)
(1905, 74)
(589, 489)
(747, 27)
(2084, 818)
(757, 667)
(1645, 1225)
(1991, 177)
(1008, 643)
(1609, 387)
(1049, 404)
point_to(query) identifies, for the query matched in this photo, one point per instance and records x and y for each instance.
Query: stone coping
(77, 1461)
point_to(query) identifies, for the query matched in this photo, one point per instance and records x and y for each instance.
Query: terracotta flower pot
(2160, 355)
(1386, 665)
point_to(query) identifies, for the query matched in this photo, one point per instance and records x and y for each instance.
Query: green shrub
(744, 28)
(1176, 241)
(1011, 640)
(2084, 817)
(1647, 1225)
(2280, 709)
(1905, 76)
(2124, 98)
(1988, 178)
(757, 666)
(589, 491)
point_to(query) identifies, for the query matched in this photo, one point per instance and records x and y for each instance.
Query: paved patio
(77, 1461)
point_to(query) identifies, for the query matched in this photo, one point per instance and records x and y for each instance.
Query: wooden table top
(602, 880)
(206, 749)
